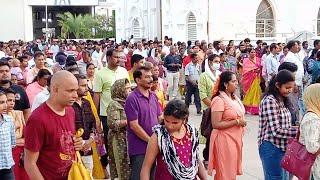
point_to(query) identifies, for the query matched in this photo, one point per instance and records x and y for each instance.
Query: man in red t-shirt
(49, 135)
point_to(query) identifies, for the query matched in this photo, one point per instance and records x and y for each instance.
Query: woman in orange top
(227, 117)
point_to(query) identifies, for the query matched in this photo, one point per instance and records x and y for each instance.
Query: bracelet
(238, 122)
(92, 137)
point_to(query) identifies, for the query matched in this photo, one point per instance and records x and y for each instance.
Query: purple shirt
(146, 111)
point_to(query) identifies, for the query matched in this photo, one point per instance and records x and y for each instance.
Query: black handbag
(206, 125)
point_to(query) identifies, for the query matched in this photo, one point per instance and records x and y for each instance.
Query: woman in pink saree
(251, 78)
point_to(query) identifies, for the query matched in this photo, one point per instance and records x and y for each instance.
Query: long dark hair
(225, 77)
(41, 74)
(283, 77)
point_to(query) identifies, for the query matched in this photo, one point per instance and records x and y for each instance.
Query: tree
(79, 25)
(106, 26)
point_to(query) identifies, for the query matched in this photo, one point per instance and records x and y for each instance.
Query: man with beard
(143, 112)
(84, 119)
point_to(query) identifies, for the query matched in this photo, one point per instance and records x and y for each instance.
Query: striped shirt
(8, 141)
(275, 123)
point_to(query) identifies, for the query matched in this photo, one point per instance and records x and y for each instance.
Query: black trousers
(104, 158)
(6, 174)
(206, 149)
(193, 90)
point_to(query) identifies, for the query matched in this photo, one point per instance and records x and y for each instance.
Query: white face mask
(215, 66)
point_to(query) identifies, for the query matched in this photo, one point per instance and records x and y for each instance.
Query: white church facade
(269, 20)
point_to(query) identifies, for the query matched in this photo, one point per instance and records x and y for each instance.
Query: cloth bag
(78, 171)
(297, 160)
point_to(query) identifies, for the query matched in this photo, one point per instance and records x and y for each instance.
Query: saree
(251, 77)
(98, 170)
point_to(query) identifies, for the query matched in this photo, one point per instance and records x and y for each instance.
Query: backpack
(206, 125)
(315, 71)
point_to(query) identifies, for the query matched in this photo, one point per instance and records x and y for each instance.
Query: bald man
(50, 143)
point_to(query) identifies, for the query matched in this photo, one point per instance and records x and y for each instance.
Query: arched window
(265, 20)
(318, 23)
(136, 28)
(191, 27)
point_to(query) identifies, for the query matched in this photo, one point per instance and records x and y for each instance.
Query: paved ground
(251, 162)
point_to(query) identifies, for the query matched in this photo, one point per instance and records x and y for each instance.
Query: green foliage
(82, 26)
(106, 27)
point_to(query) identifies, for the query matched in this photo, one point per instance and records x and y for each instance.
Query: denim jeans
(302, 108)
(271, 157)
(136, 162)
(6, 174)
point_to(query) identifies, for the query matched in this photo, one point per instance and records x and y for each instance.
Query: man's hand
(87, 145)
(78, 143)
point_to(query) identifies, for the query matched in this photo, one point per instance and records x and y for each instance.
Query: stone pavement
(251, 163)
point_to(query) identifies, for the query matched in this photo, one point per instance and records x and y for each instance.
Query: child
(175, 146)
(8, 141)
(16, 70)
(160, 94)
(14, 79)
(19, 123)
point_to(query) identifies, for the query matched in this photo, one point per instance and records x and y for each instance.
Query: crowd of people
(132, 101)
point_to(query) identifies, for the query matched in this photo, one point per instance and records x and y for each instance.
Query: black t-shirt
(22, 100)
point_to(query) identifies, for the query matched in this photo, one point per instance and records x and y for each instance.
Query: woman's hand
(241, 122)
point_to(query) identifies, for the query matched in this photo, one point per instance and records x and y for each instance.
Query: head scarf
(118, 91)
(311, 98)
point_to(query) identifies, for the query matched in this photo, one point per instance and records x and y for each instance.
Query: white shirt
(166, 49)
(303, 54)
(55, 49)
(31, 63)
(96, 59)
(82, 66)
(142, 52)
(32, 73)
(272, 64)
(2, 54)
(40, 98)
(214, 51)
(294, 58)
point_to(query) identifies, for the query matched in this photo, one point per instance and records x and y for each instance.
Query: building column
(210, 18)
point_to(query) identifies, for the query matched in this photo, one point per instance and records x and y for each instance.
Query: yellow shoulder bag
(78, 171)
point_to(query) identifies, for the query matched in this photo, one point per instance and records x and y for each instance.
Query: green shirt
(103, 81)
(205, 85)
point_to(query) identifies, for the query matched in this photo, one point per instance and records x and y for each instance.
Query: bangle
(92, 137)
(238, 121)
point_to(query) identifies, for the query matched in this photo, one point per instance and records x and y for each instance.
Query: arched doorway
(191, 27)
(136, 29)
(265, 25)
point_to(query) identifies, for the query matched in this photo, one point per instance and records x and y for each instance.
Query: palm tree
(79, 25)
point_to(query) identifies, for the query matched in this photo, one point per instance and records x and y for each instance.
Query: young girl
(175, 146)
(275, 126)
(18, 121)
(8, 140)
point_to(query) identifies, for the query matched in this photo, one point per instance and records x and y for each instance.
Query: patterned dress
(117, 136)
(183, 148)
(310, 137)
